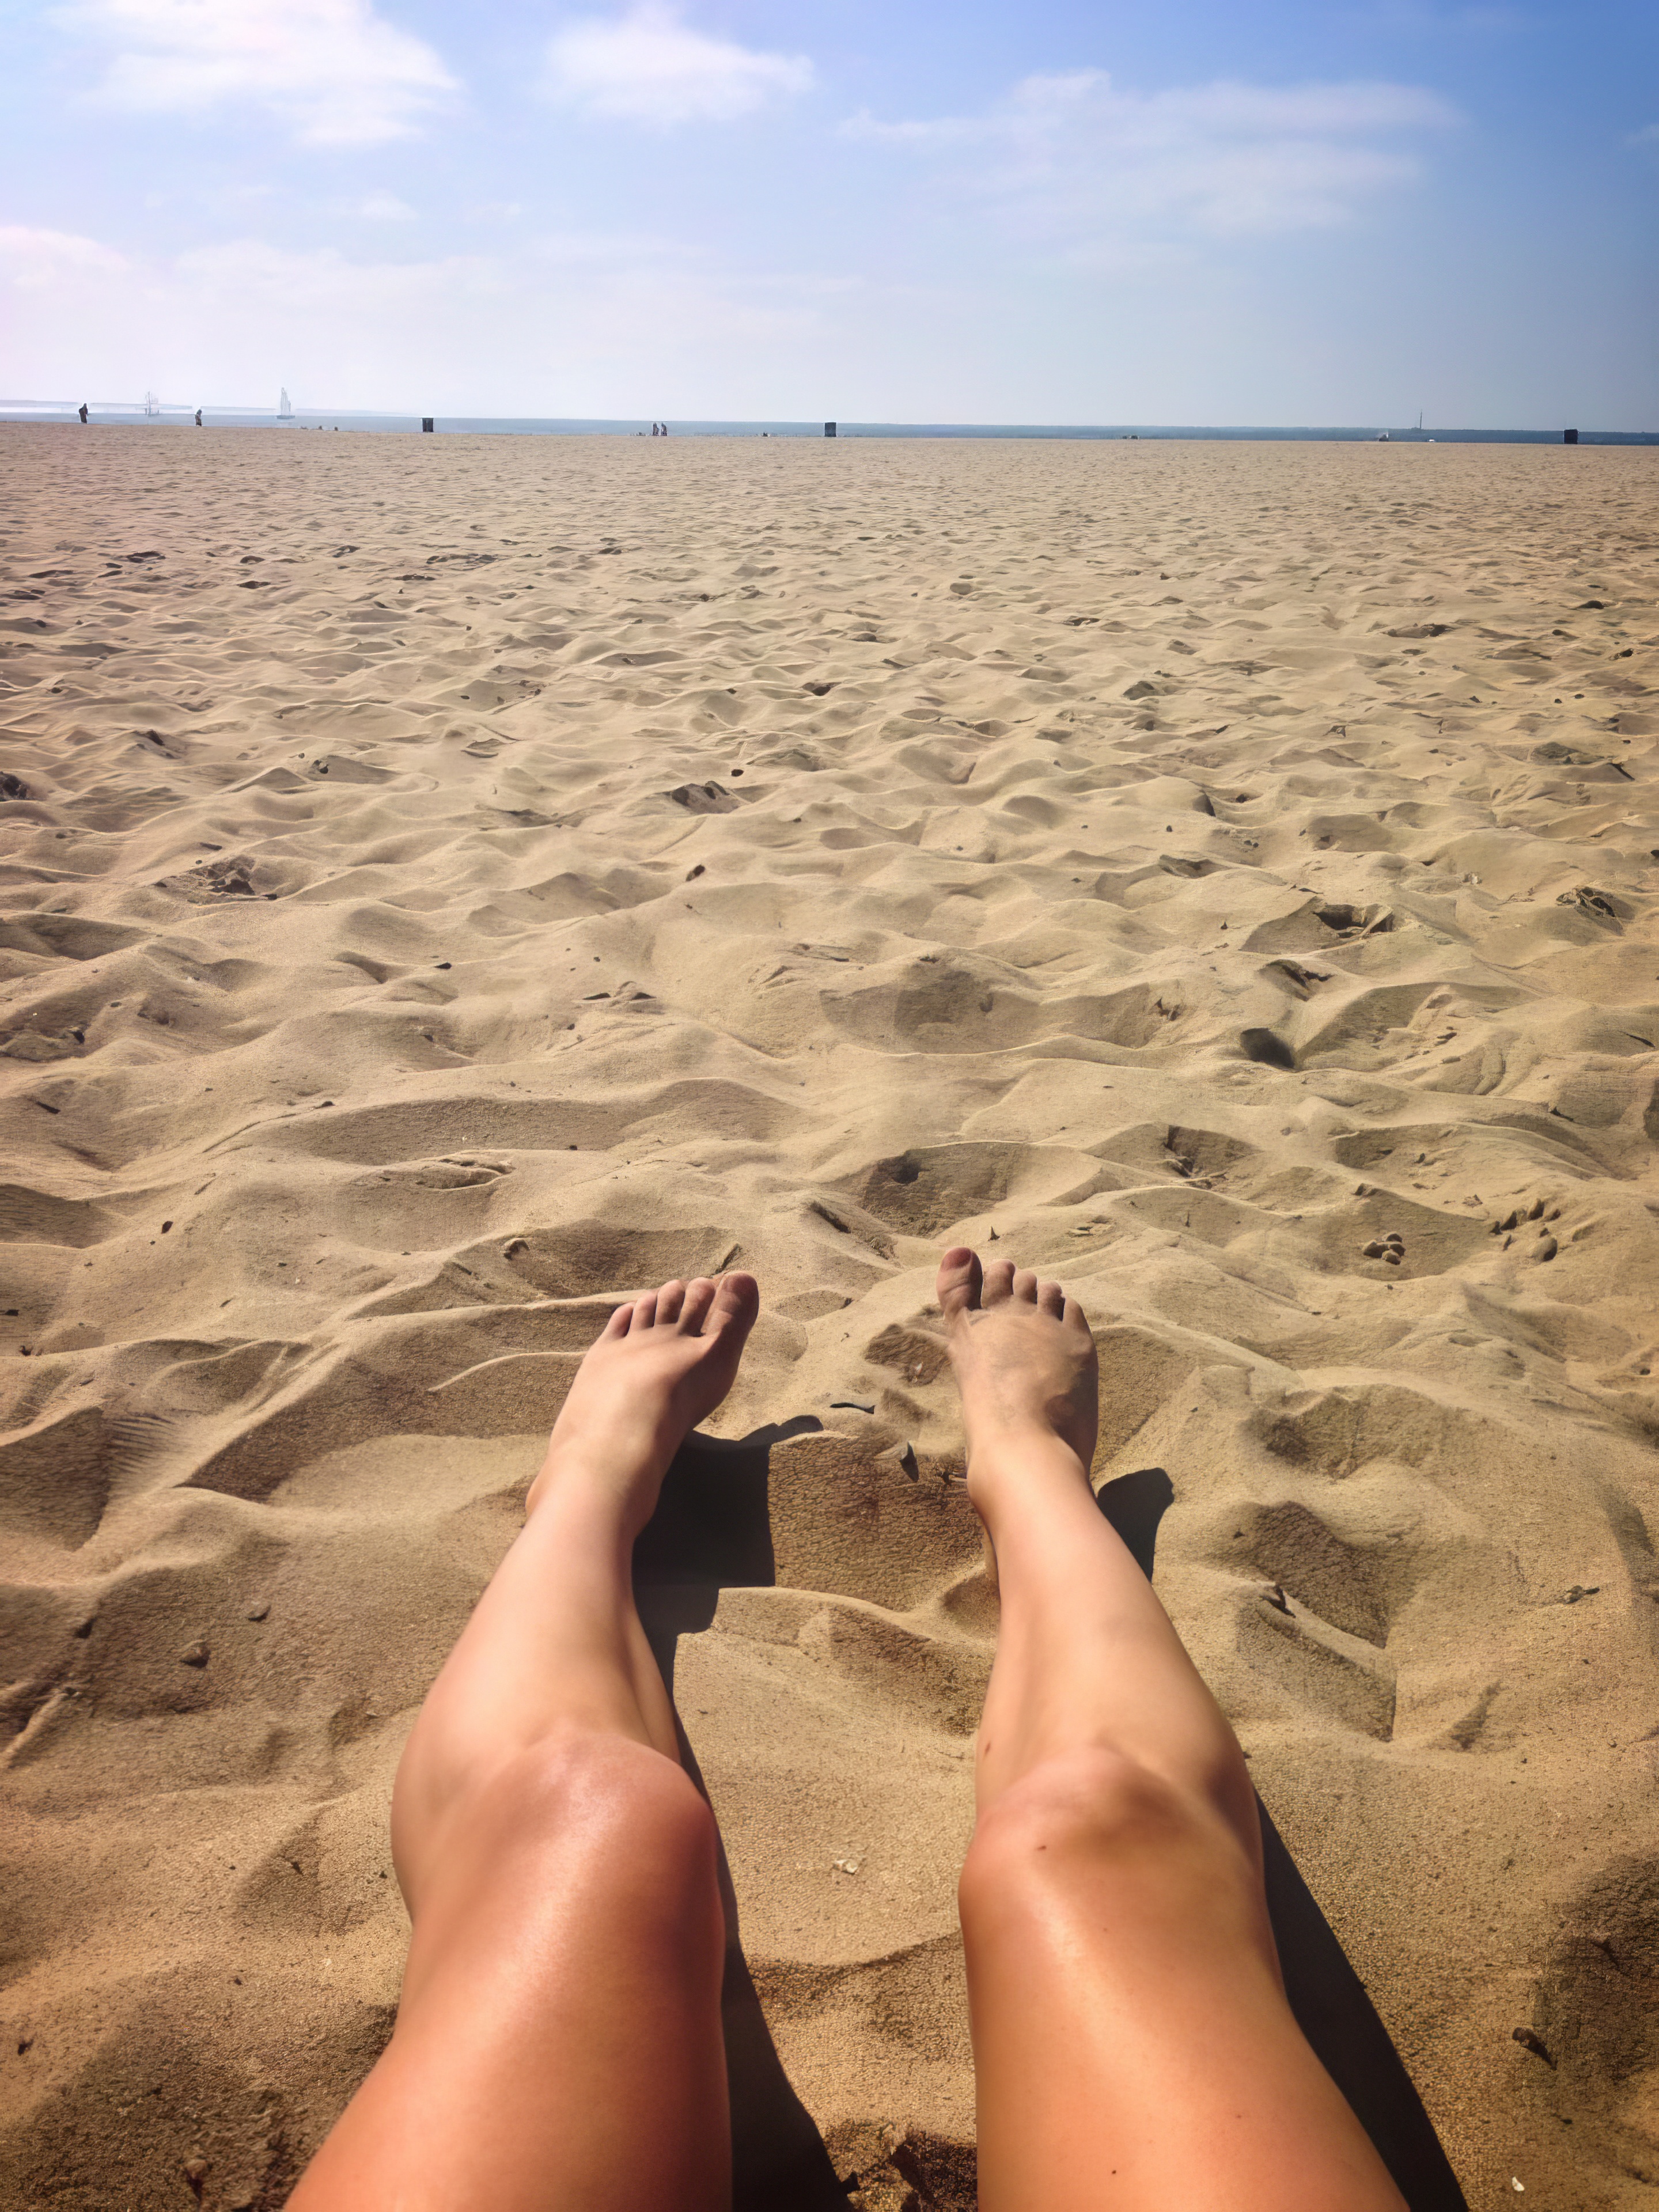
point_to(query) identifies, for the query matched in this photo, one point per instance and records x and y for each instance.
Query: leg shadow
(1136, 1505)
(711, 1531)
(1341, 2023)
(1327, 1995)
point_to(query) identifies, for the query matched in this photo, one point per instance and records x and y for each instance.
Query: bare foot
(1024, 1363)
(659, 1365)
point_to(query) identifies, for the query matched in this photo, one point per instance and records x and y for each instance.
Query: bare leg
(558, 2040)
(1132, 2041)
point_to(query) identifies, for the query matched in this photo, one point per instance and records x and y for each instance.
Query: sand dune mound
(1172, 865)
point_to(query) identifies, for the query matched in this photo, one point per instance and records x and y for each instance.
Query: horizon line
(134, 411)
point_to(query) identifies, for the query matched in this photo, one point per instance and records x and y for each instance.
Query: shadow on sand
(711, 1531)
(1325, 1994)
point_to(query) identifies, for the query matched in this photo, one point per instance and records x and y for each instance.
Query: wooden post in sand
(1569, 437)
(829, 430)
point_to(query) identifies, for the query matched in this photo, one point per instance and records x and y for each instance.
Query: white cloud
(336, 72)
(38, 260)
(249, 278)
(383, 207)
(622, 324)
(647, 67)
(1073, 161)
(580, 324)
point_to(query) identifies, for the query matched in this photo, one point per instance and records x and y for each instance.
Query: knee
(1088, 1818)
(592, 1787)
(616, 1810)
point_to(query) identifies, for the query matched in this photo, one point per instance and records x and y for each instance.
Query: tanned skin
(558, 2042)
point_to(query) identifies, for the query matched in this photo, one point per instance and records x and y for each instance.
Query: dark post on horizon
(426, 421)
(829, 430)
(1569, 437)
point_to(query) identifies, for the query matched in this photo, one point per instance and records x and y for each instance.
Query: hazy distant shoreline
(229, 418)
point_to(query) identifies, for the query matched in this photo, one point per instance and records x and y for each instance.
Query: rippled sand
(1221, 875)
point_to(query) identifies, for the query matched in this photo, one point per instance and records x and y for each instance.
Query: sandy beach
(1172, 865)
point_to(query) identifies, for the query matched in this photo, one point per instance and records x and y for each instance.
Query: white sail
(285, 412)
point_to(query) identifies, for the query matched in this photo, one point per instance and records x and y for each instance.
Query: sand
(591, 860)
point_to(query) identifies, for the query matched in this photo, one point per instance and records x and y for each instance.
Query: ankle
(581, 1477)
(1016, 1458)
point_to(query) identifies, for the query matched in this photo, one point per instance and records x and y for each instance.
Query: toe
(1025, 1287)
(734, 1306)
(959, 1279)
(645, 1313)
(620, 1317)
(1052, 1299)
(998, 1283)
(699, 1296)
(670, 1298)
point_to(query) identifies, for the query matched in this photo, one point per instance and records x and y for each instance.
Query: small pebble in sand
(1548, 1248)
(194, 1655)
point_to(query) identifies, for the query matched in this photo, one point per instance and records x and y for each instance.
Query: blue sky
(740, 208)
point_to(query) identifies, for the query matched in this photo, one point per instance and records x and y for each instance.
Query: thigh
(558, 2047)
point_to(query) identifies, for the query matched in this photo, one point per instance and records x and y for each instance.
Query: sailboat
(152, 405)
(285, 412)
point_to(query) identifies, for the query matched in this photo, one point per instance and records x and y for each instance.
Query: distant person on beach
(559, 2043)
(198, 418)
(83, 411)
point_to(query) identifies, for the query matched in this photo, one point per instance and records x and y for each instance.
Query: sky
(1204, 211)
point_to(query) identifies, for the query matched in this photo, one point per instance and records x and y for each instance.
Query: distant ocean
(308, 418)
